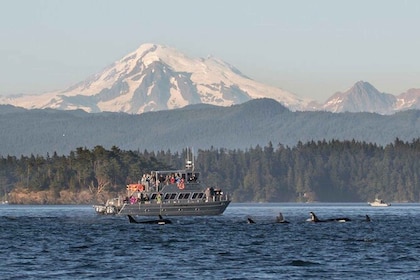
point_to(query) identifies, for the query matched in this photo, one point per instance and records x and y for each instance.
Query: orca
(250, 221)
(160, 221)
(280, 219)
(367, 218)
(315, 219)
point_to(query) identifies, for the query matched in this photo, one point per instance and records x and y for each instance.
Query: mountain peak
(362, 87)
(361, 97)
(156, 77)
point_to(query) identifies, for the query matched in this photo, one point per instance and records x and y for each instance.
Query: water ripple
(68, 242)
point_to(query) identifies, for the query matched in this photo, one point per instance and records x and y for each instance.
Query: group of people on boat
(135, 199)
(152, 181)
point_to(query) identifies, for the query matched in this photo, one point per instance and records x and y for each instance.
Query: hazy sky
(310, 48)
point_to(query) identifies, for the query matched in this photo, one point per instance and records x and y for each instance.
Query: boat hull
(166, 209)
(379, 204)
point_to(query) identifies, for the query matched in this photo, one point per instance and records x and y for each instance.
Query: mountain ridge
(364, 97)
(156, 77)
(202, 126)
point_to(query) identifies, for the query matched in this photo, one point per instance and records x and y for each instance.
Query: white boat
(379, 203)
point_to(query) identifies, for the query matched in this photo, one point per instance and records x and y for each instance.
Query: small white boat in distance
(379, 203)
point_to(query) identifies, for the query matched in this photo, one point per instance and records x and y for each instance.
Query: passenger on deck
(153, 180)
(193, 178)
(162, 178)
(159, 198)
(146, 181)
(207, 193)
(133, 199)
(143, 179)
(177, 178)
(212, 194)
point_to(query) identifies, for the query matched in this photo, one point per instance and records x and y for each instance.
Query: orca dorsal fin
(314, 218)
(250, 221)
(131, 219)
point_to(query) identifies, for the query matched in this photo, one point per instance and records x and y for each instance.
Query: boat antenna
(190, 159)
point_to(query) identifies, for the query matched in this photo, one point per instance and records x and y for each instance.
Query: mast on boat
(189, 162)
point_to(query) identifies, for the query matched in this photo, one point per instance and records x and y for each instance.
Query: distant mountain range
(201, 126)
(363, 97)
(156, 77)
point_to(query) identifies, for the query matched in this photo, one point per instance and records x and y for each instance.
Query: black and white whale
(315, 219)
(249, 220)
(160, 221)
(281, 220)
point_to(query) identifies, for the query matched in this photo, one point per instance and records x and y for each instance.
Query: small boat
(168, 193)
(379, 203)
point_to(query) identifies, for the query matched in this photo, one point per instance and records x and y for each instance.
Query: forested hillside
(326, 171)
(257, 122)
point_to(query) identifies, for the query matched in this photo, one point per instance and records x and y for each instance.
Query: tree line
(325, 171)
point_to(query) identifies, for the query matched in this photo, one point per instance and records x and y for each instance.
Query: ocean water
(72, 242)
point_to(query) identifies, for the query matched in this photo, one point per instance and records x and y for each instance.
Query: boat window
(153, 196)
(167, 195)
(194, 196)
(200, 195)
(184, 196)
(173, 195)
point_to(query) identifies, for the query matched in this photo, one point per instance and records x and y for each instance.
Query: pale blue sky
(310, 48)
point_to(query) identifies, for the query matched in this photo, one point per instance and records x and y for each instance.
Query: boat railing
(122, 207)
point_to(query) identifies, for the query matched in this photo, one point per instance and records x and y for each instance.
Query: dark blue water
(71, 242)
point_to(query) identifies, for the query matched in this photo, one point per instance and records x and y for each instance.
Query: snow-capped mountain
(363, 97)
(408, 100)
(156, 77)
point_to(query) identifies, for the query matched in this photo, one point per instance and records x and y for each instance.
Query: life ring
(181, 185)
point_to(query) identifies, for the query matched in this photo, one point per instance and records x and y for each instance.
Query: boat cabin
(171, 187)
